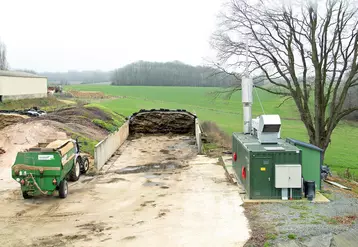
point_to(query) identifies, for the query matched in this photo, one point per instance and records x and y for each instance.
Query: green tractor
(47, 167)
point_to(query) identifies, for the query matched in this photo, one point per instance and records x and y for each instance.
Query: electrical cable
(259, 100)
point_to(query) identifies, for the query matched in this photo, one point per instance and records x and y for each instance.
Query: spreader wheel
(63, 189)
(85, 165)
(25, 195)
(75, 172)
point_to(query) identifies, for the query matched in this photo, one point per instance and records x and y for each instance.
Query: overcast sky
(62, 35)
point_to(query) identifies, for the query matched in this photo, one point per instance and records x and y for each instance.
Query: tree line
(174, 73)
(3, 60)
(90, 76)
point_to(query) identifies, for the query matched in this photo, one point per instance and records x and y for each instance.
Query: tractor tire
(75, 172)
(25, 195)
(85, 165)
(63, 189)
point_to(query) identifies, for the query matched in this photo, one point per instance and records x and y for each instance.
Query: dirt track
(132, 204)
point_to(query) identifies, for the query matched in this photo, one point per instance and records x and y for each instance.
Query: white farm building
(20, 85)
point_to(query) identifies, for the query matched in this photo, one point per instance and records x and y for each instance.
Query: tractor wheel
(75, 172)
(63, 189)
(85, 165)
(25, 195)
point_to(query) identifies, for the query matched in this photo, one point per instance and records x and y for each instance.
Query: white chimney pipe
(246, 89)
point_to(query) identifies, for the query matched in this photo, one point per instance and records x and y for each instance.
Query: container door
(262, 179)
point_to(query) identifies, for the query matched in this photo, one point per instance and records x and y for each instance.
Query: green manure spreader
(47, 167)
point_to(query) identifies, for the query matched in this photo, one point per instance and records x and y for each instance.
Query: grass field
(228, 114)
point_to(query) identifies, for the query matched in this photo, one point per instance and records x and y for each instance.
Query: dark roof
(303, 144)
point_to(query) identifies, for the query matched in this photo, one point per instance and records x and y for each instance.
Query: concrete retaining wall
(198, 136)
(107, 147)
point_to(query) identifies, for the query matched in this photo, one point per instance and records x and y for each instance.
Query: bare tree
(350, 102)
(305, 49)
(3, 61)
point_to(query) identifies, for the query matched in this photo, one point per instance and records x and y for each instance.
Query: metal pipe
(247, 118)
(246, 88)
(247, 57)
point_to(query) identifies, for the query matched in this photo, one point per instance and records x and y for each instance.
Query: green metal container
(42, 170)
(255, 164)
(312, 159)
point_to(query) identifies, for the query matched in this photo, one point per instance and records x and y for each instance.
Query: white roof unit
(267, 128)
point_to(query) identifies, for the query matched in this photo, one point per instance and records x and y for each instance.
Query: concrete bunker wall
(198, 136)
(107, 147)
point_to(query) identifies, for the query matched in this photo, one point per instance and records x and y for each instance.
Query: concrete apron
(227, 160)
(211, 210)
(188, 206)
(344, 239)
(6, 181)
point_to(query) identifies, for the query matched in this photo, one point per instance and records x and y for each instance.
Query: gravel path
(303, 220)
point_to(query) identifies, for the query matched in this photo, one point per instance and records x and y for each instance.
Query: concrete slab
(190, 206)
(318, 199)
(290, 243)
(346, 239)
(319, 241)
(227, 160)
(203, 160)
(6, 181)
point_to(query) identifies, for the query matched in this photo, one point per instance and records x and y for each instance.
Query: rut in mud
(150, 168)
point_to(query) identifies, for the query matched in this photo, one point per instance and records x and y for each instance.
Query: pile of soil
(61, 124)
(6, 120)
(79, 115)
(162, 122)
(21, 136)
(77, 120)
(88, 94)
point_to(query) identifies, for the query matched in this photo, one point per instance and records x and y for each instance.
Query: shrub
(291, 236)
(105, 125)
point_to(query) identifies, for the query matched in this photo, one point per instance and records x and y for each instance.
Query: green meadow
(228, 114)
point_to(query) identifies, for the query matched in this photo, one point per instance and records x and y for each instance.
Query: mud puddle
(149, 183)
(149, 168)
(157, 175)
(111, 180)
